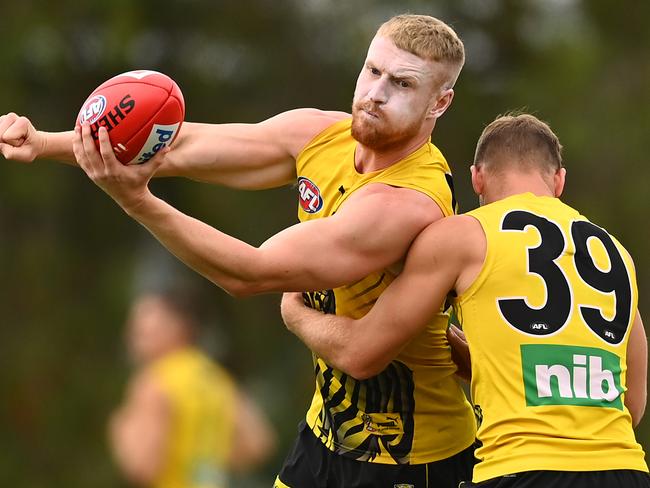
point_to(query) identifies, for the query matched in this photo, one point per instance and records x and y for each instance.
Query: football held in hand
(142, 111)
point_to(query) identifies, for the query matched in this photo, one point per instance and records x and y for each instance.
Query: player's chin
(375, 139)
(365, 131)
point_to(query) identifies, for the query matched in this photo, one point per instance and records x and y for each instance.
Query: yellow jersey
(202, 400)
(547, 321)
(415, 411)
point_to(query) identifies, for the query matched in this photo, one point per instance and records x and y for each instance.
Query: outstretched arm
(402, 311)
(314, 255)
(20, 141)
(248, 156)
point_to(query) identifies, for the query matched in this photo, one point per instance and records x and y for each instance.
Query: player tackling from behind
(368, 183)
(548, 303)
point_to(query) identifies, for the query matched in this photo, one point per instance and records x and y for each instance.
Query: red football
(142, 110)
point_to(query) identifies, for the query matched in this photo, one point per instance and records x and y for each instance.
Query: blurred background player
(183, 423)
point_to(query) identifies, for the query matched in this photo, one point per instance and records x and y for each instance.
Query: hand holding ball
(141, 110)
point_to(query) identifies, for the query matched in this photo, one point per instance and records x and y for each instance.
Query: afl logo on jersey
(309, 195)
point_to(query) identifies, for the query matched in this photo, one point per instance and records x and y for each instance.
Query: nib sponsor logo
(571, 375)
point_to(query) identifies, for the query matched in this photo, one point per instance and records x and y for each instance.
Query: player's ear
(559, 178)
(442, 103)
(477, 178)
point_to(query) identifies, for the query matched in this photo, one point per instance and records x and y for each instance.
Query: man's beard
(378, 133)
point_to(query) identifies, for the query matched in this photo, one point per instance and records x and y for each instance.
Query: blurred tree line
(71, 260)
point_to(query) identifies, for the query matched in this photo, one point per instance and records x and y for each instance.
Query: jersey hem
(578, 462)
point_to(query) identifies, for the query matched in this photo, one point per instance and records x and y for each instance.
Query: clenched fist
(19, 140)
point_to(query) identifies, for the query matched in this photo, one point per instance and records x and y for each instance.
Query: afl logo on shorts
(93, 109)
(309, 195)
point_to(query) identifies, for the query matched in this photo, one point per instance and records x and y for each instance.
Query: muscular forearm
(328, 336)
(334, 338)
(282, 263)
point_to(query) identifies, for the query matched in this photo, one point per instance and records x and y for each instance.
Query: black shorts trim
(311, 465)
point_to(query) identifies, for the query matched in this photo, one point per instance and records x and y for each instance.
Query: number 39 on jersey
(586, 259)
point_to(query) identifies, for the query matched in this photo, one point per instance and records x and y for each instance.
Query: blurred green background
(71, 260)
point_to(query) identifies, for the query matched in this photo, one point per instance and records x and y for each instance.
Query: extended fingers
(456, 330)
(92, 154)
(106, 150)
(80, 153)
(456, 336)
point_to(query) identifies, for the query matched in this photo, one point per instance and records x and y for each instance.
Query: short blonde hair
(427, 38)
(518, 140)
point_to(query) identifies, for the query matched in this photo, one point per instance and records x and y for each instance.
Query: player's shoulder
(456, 234)
(310, 119)
(456, 224)
(299, 126)
(316, 113)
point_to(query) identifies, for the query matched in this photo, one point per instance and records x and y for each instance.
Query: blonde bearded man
(368, 184)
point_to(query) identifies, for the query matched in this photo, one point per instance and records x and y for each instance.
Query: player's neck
(510, 186)
(367, 160)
